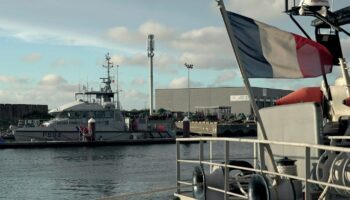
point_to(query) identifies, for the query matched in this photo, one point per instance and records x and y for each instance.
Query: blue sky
(48, 48)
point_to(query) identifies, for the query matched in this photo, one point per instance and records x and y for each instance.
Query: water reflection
(92, 173)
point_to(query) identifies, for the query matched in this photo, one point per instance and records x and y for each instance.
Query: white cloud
(159, 30)
(161, 62)
(178, 83)
(32, 57)
(226, 76)
(207, 39)
(63, 62)
(166, 63)
(59, 63)
(182, 83)
(262, 9)
(133, 99)
(134, 94)
(117, 59)
(52, 90)
(13, 80)
(34, 34)
(206, 48)
(138, 81)
(121, 33)
(52, 80)
(138, 59)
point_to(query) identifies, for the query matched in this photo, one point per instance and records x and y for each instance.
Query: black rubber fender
(258, 188)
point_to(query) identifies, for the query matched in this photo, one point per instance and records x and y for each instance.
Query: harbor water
(97, 172)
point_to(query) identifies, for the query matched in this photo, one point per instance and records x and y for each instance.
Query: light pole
(150, 54)
(188, 66)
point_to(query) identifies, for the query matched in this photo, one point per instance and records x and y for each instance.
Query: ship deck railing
(259, 156)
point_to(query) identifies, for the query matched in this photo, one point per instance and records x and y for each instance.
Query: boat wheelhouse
(70, 120)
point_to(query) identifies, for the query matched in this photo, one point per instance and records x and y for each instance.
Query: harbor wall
(216, 129)
(10, 112)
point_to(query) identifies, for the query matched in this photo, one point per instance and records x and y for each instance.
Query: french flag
(268, 52)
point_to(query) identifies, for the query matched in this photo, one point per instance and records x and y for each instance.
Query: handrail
(210, 163)
(295, 144)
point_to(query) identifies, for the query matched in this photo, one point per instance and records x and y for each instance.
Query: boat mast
(107, 81)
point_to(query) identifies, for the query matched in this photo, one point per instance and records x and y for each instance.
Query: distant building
(234, 97)
(10, 112)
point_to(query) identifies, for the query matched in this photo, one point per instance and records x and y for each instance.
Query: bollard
(186, 127)
(92, 129)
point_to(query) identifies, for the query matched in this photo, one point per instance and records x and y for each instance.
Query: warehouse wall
(177, 99)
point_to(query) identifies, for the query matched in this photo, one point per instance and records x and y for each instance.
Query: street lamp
(188, 66)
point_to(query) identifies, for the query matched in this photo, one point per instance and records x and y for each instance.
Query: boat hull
(53, 135)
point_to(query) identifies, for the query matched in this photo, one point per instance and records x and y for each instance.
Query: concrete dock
(215, 129)
(61, 144)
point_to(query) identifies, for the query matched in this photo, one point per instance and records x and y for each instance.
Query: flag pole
(246, 82)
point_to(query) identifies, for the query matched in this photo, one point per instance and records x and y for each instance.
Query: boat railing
(259, 160)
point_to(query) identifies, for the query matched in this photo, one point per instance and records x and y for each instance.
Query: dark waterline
(94, 173)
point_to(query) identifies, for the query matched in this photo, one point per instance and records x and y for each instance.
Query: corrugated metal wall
(177, 99)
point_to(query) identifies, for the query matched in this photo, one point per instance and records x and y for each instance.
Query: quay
(219, 129)
(62, 144)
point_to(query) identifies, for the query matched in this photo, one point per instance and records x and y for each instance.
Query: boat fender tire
(258, 188)
(199, 183)
(240, 163)
(324, 165)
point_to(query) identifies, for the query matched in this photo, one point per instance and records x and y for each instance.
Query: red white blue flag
(268, 52)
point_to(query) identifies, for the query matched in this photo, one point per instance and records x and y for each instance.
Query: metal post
(262, 156)
(118, 103)
(200, 152)
(227, 150)
(255, 149)
(151, 87)
(246, 82)
(307, 173)
(344, 70)
(211, 155)
(189, 92)
(150, 55)
(188, 66)
(178, 167)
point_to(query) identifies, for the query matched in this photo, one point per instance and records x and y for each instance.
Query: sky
(49, 49)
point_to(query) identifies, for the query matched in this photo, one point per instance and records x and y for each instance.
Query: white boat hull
(53, 135)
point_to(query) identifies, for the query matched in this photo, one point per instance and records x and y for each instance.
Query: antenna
(107, 80)
(150, 45)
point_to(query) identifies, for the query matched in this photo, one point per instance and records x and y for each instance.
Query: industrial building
(235, 98)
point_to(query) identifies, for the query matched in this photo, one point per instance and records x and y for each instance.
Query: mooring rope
(134, 194)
